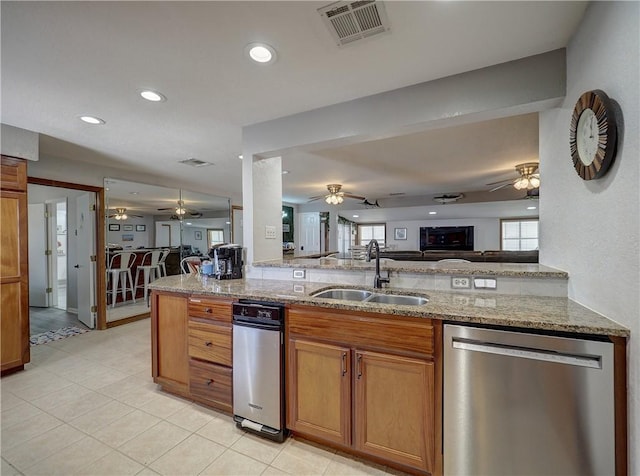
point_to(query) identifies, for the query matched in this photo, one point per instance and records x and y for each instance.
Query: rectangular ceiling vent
(351, 21)
(195, 162)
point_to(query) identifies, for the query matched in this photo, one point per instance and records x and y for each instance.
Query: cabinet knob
(208, 343)
(208, 309)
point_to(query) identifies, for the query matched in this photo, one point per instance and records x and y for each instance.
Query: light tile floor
(87, 405)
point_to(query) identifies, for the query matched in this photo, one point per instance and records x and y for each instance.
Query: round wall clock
(593, 135)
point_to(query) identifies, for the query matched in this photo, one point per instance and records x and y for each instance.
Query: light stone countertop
(529, 312)
(518, 270)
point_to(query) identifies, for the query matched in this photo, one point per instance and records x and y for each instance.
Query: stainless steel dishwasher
(258, 368)
(526, 404)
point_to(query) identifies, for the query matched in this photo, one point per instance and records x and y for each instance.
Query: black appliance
(227, 262)
(446, 238)
(258, 368)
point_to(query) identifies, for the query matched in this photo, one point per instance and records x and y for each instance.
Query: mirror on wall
(149, 230)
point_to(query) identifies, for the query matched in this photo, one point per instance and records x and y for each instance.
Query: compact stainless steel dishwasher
(258, 368)
(527, 404)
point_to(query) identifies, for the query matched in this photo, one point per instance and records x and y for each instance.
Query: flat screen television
(446, 238)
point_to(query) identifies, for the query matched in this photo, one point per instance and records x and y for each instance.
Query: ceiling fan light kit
(335, 196)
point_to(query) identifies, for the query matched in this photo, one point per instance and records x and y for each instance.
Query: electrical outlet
(460, 282)
(299, 273)
(270, 232)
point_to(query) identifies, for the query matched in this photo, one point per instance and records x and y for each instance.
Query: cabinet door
(319, 390)
(14, 279)
(169, 350)
(394, 408)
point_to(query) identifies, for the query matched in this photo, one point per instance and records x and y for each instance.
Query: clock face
(593, 135)
(587, 136)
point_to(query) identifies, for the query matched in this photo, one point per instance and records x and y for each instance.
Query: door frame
(101, 291)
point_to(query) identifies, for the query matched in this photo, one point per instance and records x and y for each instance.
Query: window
(214, 237)
(368, 232)
(519, 235)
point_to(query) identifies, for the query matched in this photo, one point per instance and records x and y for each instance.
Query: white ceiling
(61, 60)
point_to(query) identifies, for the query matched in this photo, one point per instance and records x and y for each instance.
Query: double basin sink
(363, 295)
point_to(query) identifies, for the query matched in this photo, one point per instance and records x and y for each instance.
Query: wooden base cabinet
(170, 360)
(191, 347)
(394, 401)
(320, 403)
(368, 391)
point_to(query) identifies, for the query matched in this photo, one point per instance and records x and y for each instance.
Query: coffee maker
(227, 262)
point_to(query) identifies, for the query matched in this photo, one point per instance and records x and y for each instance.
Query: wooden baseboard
(128, 320)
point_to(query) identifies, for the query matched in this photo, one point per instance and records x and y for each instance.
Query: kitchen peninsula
(363, 377)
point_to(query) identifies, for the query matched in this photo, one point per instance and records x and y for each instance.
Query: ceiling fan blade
(500, 186)
(350, 195)
(313, 199)
(502, 181)
(166, 209)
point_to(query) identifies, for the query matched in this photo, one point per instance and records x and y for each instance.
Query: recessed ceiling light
(92, 120)
(228, 222)
(356, 216)
(261, 53)
(433, 213)
(531, 208)
(285, 172)
(153, 96)
(240, 157)
(188, 223)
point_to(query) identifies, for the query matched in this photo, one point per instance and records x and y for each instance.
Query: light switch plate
(485, 283)
(270, 232)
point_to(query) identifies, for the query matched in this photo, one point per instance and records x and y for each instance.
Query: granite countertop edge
(525, 312)
(517, 270)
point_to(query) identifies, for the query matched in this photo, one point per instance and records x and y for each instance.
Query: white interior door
(86, 267)
(309, 232)
(38, 269)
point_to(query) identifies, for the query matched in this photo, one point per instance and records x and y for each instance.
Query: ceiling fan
(121, 214)
(529, 178)
(180, 210)
(335, 195)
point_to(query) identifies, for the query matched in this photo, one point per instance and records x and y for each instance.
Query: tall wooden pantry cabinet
(14, 265)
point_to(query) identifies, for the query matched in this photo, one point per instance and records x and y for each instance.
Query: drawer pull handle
(208, 343)
(210, 381)
(344, 364)
(359, 366)
(208, 309)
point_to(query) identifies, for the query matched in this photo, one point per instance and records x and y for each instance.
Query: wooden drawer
(210, 342)
(211, 384)
(364, 330)
(217, 309)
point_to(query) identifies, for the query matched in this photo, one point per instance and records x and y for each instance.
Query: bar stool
(190, 265)
(120, 265)
(162, 268)
(150, 269)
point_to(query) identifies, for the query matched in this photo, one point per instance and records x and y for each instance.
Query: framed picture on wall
(400, 233)
(114, 227)
(141, 227)
(198, 235)
(127, 227)
(127, 237)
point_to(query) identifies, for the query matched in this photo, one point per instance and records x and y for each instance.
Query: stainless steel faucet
(377, 282)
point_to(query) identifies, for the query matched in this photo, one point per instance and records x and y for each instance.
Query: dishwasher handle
(594, 362)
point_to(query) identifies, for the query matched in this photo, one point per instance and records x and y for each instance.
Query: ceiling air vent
(351, 21)
(195, 162)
